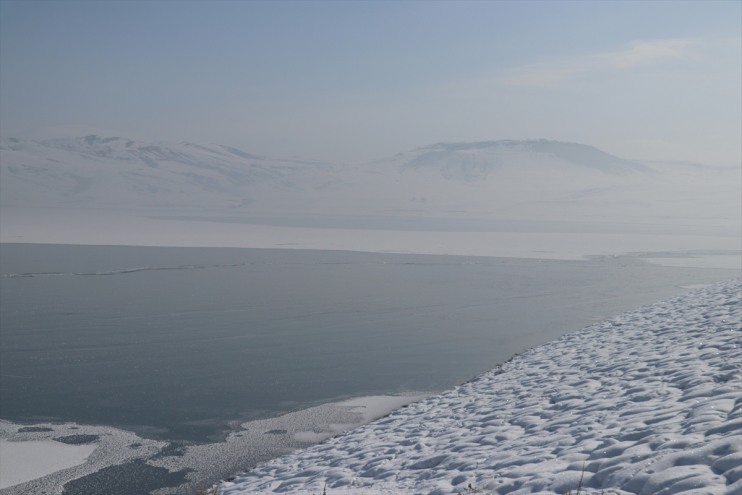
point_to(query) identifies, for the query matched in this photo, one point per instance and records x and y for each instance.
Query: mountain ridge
(479, 159)
(77, 165)
(538, 179)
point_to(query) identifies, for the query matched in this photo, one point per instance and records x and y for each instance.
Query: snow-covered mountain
(95, 171)
(554, 181)
(476, 161)
(444, 186)
(115, 172)
(123, 171)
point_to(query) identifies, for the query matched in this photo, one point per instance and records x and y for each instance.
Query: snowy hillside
(476, 161)
(648, 402)
(94, 171)
(493, 178)
(107, 189)
(553, 181)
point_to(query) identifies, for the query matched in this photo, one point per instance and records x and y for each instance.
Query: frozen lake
(179, 344)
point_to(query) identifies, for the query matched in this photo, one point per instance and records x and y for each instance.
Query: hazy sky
(355, 81)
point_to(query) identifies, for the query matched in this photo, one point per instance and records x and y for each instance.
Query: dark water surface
(174, 343)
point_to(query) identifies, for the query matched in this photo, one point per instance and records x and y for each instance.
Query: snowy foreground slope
(649, 402)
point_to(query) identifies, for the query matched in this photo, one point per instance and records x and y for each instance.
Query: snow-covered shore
(649, 402)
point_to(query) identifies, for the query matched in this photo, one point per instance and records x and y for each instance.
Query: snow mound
(649, 402)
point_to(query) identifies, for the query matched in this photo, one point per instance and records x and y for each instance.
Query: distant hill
(506, 180)
(114, 171)
(476, 161)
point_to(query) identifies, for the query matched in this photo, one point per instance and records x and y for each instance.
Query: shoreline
(215, 458)
(65, 452)
(351, 418)
(606, 408)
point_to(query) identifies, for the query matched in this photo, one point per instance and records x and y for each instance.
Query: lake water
(177, 344)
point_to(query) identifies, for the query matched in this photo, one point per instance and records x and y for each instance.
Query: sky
(356, 81)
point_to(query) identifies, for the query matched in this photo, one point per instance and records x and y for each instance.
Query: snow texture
(649, 402)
